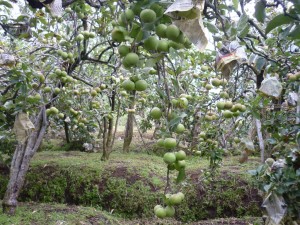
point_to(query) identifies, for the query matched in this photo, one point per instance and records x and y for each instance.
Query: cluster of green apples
(82, 10)
(52, 111)
(81, 121)
(95, 105)
(204, 138)
(134, 84)
(174, 160)
(167, 143)
(36, 85)
(93, 93)
(210, 116)
(130, 59)
(62, 75)
(229, 109)
(156, 114)
(182, 101)
(207, 144)
(170, 200)
(67, 56)
(215, 82)
(34, 98)
(84, 35)
(140, 24)
(38, 81)
(162, 36)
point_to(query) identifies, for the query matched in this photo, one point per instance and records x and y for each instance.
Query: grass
(139, 162)
(31, 213)
(54, 214)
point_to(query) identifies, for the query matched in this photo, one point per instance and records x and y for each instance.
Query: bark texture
(20, 163)
(129, 125)
(108, 127)
(107, 138)
(128, 132)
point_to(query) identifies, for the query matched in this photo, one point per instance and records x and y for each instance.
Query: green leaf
(285, 32)
(267, 187)
(7, 4)
(181, 176)
(235, 4)
(256, 114)
(252, 172)
(242, 23)
(22, 18)
(179, 70)
(244, 32)
(271, 141)
(175, 83)
(295, 33)
(278, 21)
(152, 61)
(260, 12)
(211, 27)
(232, 32)
(260, 62)
(175, 121)
(43, 20)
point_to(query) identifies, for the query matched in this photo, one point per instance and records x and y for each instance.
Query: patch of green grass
(93, 161)
(33, 213)
(228, 164)
(40, 213)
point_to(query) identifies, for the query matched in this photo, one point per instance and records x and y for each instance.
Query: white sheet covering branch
(187, 16)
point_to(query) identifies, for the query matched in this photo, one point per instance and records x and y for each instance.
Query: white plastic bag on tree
(229, 56)
(22, 127)
(292, 98)
(56, 8)
(186, 15)
(7, 60)
(271, 87)
(275, 207)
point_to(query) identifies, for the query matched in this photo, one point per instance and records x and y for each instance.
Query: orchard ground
(73, 187)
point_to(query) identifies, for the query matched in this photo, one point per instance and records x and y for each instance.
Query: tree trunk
(20, 163)
(108, 135)
(116, 125)
(66, 126)
(129, 125)
(128, 132)
(104, 156)
(107, 138)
